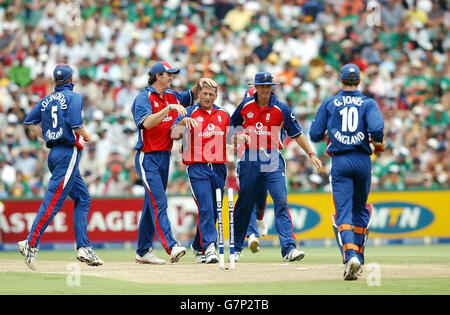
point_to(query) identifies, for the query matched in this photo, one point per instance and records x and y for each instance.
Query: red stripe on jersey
(47, 214)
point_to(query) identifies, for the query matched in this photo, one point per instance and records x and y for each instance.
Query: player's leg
(158, 203)
(261, 203)
(82, 200)
(249, 178)
(202, 192)
(146, 228)
(342, 192)
(252, 226)
(360, 213)
(342, 177)
(62, 163)
(276, 183)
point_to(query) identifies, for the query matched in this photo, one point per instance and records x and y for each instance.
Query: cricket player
(256, 227)
(352, 121)
(205, 157)
(263, 117)
(57, 119)
(155, 110)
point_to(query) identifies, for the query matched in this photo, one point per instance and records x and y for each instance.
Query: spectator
(304, 42)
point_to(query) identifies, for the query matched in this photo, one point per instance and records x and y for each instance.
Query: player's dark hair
(63, 82)
(152, 79)
(352, 80)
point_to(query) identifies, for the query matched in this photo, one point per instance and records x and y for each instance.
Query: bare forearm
(154, 119)
(304, 144)
(37, 131)
(84, 133)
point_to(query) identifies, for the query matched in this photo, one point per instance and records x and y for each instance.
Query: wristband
(170, 108)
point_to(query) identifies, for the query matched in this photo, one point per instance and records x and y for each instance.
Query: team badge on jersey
(219, 118)
(267, 117)
(200, 119)
(249, 115)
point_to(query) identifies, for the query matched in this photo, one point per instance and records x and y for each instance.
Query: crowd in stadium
(402, 48)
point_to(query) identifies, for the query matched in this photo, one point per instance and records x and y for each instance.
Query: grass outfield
(403, 257)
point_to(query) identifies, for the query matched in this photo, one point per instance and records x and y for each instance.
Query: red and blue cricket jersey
(265, 125)
(207, 141)
(150, 102)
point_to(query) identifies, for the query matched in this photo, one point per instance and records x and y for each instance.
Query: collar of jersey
(152, 90)
(355, 92)
(65, 86)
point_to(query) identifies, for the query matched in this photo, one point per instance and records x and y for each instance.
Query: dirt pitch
(191, 273)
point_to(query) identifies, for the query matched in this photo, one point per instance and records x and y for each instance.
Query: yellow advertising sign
(396, 215)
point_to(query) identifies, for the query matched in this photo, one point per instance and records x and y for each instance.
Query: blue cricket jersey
(351, 120)
(60, 114)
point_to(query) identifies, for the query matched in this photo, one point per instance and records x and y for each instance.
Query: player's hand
(207, 81)
(378, 147)
(316, 162)
(179, 108)
(87, 137)
(243, 138)
(189, 122)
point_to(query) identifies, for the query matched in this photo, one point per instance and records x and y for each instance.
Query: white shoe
(149, 258)
(177, 252)
(211, 255)
(351, 268)
(87, 255)
(294, 255)
(29, 253)
(263, 228)
(200, 258)
(237, 256)
(360, 271)
(253, 243)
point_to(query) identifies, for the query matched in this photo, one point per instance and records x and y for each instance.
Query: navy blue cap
(162, 66)
(262, 78)
(347, 70)
(62, 72)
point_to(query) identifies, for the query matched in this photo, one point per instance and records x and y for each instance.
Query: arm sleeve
(319, 124)
(34, 117)
(291, 124)
(141, 109)
(74, 112)
(236, 118)
(186, 98)
(374, 121)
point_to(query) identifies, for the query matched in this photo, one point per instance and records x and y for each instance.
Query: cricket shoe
(29, 253)
(177, 252)
(253, 243)
(294, 255)
(351, 268)
(211, 255)
(263, 228)
(200, 258)
(360, 271)
(88, 256)
(149, 258)
(237, 256)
